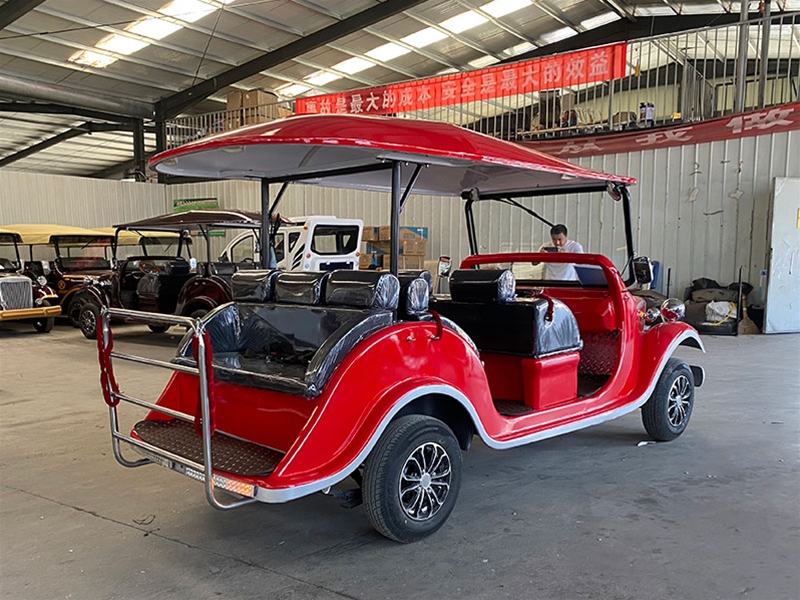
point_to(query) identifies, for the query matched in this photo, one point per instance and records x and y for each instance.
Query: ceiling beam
(16, 9)
(60, 109)
(49, 142)
(173, 105)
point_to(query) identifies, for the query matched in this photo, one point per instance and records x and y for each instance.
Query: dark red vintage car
(307, 379)
(67, 257)
(160, 278)
(21, 297)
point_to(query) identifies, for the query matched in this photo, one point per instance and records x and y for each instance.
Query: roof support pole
(265, 223)
(741, 70)
(139, 159)
(626, 211)
(394, 244)
(764, 62)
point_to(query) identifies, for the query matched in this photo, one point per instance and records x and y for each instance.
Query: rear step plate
(227, 453)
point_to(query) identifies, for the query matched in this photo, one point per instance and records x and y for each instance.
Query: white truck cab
(316, 243)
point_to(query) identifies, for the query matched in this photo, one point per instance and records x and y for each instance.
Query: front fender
(659, 344)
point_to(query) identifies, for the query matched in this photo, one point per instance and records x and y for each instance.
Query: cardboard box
(413, 233)
(384, 233)
(258, 98)
(417, 247)
(366, 261)
(234, 100)
(371, 234)
(414, 263)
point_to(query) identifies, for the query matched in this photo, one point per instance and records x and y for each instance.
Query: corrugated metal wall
(700, 210)
(80, 201)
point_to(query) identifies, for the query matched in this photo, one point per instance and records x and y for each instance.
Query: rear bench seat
(288, 331)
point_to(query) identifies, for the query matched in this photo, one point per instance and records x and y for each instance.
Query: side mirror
(443, 268)
(643, 270)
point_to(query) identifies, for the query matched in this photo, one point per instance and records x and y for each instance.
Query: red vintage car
(308, 379)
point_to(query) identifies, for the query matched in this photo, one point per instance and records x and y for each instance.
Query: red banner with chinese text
(538, 74)
(769, 120)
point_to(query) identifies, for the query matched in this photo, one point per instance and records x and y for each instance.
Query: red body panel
(323, 438)
(550, 381)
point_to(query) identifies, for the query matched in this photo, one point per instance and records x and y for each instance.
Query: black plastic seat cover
(255, 285)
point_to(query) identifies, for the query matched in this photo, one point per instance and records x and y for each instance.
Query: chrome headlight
(673, 309)
(90, 280)
(41, 279)
(652, 316)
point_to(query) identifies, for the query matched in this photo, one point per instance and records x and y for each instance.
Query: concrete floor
(590, 515)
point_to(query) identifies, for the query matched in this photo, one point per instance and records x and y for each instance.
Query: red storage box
(550, 381)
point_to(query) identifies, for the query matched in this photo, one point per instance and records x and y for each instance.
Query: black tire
(414, 448)
(74, 311)
(158, 328)
(666, 413)
(90, 315)
(45, 324)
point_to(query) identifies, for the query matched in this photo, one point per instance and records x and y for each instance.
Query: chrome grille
(16, 293)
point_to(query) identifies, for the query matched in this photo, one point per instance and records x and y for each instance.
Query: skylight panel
(483, 61)
(92, 59)
(353, 65)
(292, 89)
(655, 11)
(701, 9)
(600, 20)
(387, 52)
(187, 10)
(519, 49)
(558, 35)
(424, 37)
(154, 28)
(501, 8)
(464, 21)
(121, 44)
(321, 78)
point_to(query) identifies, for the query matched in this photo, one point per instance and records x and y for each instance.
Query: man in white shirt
(561, 271)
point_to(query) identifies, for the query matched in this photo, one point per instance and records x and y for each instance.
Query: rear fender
(208, 291)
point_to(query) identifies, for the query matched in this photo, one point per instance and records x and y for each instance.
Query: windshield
(76, 253)
(154, 246)
(8, 258)
(335, 239)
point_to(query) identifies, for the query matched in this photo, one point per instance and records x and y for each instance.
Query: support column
(763, 62)
(741, 64)
(139, 159)
(265, 241)
(395, 222)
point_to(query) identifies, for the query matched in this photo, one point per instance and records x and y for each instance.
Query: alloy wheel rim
(680, 395)
(425, 481)
(89, 320)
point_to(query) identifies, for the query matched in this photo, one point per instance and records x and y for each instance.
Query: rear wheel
(45, 324)
(412, 478)
(666, 413)
(89, 317)
(74, 311)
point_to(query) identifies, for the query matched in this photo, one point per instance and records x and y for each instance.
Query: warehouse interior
(143, 143)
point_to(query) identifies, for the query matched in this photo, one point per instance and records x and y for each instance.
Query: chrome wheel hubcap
(424, 481)
(89, 321)
(680, 395)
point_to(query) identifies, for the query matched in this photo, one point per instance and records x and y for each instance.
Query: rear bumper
(30, 313)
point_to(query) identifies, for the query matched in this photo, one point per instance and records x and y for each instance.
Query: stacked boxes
(413, 242)
(253, 106)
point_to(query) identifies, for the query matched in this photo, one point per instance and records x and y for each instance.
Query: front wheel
(666, 413)
(89, 317)
(45, 324)
(412, 478)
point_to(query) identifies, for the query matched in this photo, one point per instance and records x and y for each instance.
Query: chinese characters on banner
(770, 120)
(552, 72)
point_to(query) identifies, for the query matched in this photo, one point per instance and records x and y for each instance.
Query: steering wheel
(147, 267)
(247, 259)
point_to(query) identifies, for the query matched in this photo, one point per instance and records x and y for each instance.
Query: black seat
(254, 286)
(223, 269)
(295, 347)
(416, 288)
(483, 304)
